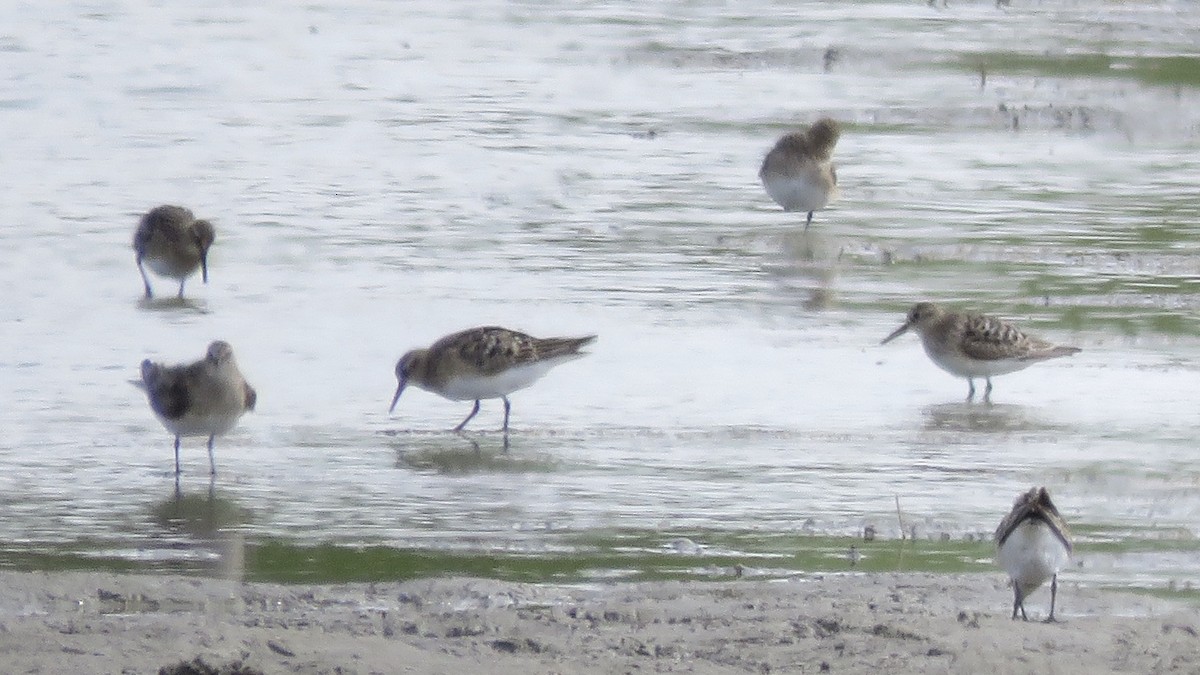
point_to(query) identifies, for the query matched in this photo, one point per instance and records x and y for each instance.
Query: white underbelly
(168, 266)
(796, 193)
(475, 387)
(214, 424)
(1032, 554)
(957, 364)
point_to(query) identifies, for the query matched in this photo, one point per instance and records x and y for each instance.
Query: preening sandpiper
(173, 243)
(974, 345)
(486, 362)
(798, 173)
(1032, 545)
(204, 398)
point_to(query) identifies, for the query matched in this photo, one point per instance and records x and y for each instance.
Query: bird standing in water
(798, 173)
(173, 244)
(486, 362)
(205, 398)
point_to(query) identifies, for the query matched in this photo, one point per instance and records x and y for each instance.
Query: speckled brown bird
(486, 362)
(975, 345)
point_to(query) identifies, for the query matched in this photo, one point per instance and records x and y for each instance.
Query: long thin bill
(895, 334)
(399, 390)
(204, 268)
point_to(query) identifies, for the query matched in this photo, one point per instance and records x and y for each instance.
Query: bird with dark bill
(486, 362)
(173, 244)
(975, 345)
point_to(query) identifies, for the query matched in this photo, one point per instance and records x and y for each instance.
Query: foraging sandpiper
(487, 362)
(1032, 545)
(204, 398)
(173, 243)
(798, 172)
(974, 345)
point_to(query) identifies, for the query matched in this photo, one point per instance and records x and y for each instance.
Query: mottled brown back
(988, 339)
(1034, 504)
(492, 349)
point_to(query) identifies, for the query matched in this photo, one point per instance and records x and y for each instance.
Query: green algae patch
(1173, 71)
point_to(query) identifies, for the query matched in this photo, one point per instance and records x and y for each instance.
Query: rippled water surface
(384, 173)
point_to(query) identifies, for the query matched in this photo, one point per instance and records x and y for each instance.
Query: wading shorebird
(1032, 545)
(974, 345)
(487, 362)
(204, 398)
(798, 172)
(173, 243)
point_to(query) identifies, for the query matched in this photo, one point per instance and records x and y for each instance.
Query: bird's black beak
(896, 333)
(204, 266)
(399, 390)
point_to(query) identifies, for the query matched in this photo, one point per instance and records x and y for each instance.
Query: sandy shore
(909, 623)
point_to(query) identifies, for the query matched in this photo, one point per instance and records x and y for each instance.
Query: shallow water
(381, 174)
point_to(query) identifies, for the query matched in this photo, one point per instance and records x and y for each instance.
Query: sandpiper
(204, 398)
(798, 172)
(974, 345)
(173, 243)
(486, 362)
(1032, 545)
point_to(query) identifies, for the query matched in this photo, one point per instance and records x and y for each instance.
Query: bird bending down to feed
(487, 362)
(173, 244)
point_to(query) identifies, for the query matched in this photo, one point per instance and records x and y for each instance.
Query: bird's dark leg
(212, 463)
(808, 222)
(464, 422)
(177, 455)
(1053, 595)
(1018, 601)
(145, 280)
(987, 393)
(970, 390)
(507, 406)
(181, 282)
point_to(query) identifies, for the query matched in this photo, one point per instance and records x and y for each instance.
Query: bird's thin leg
(987, 393)
(970, 390)
(1053, 595)
(1021, 601)
(177, 456)
(181, 282)
(1018, 601)
(145, 280)
(808, 222)
(464, 422)
(506, 409)
(212, 463)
